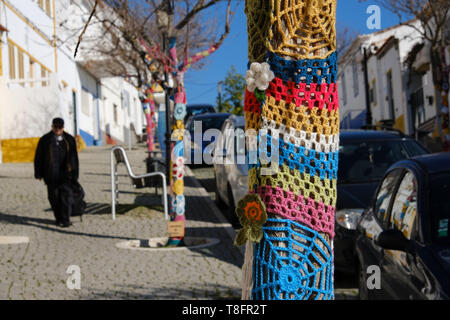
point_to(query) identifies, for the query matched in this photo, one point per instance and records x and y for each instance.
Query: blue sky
(201, 85)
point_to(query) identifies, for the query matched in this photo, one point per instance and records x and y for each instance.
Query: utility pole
(219, 88)
(367, 90)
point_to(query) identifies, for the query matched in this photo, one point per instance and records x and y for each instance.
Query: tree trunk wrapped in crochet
(291, 104)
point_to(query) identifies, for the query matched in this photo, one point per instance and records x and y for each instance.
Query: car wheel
(220, 203)
(363, 291)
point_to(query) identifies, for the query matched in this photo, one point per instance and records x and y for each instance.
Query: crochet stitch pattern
(311, 96)
(297, 157)
(299, 116)
(304, 184)
(306, 70)
(287, 204)
(293, 263)
(317, 142)
(303, 29)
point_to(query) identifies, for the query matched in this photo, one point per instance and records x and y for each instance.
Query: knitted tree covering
(177, 207)
(177, 199)
(296, 115)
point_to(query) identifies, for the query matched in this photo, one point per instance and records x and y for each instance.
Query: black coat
(43, 165)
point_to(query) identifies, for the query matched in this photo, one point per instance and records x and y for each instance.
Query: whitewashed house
(40, 79)
(393, 94)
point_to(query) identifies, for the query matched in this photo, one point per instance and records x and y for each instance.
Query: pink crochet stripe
(315, 95)
(286, 204)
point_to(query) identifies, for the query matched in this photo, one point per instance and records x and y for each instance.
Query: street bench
(118, 156)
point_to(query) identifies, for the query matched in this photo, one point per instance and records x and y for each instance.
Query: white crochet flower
(259, 76)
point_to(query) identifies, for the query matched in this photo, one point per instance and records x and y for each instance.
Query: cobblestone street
(37, 270)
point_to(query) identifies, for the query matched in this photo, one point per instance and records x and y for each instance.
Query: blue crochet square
(288, 263)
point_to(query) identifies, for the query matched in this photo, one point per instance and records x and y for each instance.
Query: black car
(199, 143)
(364, 157)
(405, 232)
(194, 109)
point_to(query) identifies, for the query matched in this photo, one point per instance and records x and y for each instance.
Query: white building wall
(52, 82)
(391, 60)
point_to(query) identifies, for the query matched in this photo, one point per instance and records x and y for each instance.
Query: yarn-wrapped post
(292, 104)
(177, 208)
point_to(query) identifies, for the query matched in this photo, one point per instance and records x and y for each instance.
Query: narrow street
(38, 269)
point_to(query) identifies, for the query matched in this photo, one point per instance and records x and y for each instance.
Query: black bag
(79, 205)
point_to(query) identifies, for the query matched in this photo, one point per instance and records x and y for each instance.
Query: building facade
(398, 94)
(40, 79)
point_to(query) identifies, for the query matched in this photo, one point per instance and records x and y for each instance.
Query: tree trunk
(176, 153)
(299, 118)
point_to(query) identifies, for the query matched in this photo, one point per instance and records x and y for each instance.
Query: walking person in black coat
(56, 161)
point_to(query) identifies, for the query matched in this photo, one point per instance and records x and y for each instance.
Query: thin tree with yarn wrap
(291, 106)
(133, 39)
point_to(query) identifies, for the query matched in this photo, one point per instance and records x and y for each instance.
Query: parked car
(198, 144)
(194, 109)
(232, 176)
(405, 231)
(364, 157)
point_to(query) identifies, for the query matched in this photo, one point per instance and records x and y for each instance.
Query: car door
(372, 223)
(399, 270)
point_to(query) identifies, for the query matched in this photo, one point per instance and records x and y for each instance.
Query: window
(12, 61)
(390, 95)
(439, 201)
(21, 67)
(367, 161)
(46, 5)
(344, 90)
(126, 101)
(355, 78)
(116, 118)
(85, 108)
(24, 67)
(44, 76)
(403, 216)
(384, 196)
(31, 72)
(404, 208)
(373, 93)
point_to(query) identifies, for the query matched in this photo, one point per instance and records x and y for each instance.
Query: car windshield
(440, 207)
(367, 161)
(214, 122)
(199, 110)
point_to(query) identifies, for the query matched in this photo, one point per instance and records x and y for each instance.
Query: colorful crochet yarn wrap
(298, 121)
(176, 196)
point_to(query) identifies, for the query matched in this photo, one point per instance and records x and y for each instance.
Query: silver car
(230, 167)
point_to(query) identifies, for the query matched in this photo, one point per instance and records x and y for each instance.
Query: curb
(213, 207)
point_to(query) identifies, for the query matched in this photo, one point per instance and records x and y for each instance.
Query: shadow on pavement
(224, 251)
(44, 224)
(180, 291)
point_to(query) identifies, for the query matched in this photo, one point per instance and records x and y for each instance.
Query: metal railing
(119, 155)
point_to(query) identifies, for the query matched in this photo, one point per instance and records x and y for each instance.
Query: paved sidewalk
(37, 270)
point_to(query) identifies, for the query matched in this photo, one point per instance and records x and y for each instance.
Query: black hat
(58, 122)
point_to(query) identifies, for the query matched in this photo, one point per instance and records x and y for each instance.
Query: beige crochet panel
(299, 29)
